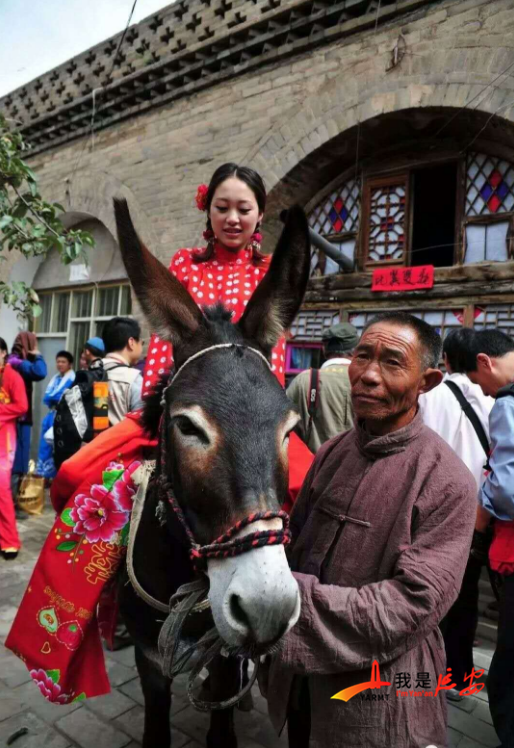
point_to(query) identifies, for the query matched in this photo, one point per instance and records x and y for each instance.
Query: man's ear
(484, 362)
(432, 377)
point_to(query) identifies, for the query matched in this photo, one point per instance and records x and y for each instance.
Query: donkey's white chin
(254, 597)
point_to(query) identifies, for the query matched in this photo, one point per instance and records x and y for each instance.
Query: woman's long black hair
(253, 180)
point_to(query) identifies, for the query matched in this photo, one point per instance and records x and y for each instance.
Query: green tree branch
(29, 224)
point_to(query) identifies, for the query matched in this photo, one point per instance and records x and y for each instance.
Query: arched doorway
(76, 301)
(428, 186)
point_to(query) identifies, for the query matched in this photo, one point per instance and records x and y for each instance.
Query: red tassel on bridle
(226, 545)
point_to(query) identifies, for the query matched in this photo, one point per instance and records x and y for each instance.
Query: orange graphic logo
(347, 693)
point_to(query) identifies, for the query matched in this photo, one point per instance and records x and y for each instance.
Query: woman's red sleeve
(15, 388)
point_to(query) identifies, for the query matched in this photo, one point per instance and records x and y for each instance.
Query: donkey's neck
(161, 563)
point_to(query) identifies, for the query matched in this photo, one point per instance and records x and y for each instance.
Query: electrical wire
(90, 140)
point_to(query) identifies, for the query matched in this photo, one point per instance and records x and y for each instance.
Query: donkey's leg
(157, 692)
(225, 680)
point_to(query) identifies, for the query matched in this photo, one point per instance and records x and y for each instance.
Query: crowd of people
(117, 354)
(409, 494)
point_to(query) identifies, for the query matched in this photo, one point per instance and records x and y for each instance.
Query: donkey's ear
(170, 310)
(277, 298)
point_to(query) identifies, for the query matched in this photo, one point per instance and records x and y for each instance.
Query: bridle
(192, 597)
(225, 545)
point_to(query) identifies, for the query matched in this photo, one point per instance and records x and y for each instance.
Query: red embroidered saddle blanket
(69, 601)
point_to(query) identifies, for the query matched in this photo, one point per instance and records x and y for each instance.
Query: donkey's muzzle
(254, 597)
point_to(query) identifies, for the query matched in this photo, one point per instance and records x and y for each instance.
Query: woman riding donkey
(92, 529)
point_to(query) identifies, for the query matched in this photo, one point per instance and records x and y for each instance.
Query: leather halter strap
(226, 545)
(215, 347)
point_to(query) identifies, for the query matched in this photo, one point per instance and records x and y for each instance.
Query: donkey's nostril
(238, 613)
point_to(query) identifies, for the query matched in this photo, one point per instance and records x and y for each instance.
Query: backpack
(73, 425)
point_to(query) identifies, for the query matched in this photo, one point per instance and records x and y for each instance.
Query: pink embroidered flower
(201, 197)
(114, 466)
(97, 516)
(124, 489)
(49, 689)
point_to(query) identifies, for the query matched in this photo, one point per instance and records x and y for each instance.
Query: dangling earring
(256, 239)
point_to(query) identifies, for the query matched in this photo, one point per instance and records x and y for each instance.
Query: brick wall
(284, 117)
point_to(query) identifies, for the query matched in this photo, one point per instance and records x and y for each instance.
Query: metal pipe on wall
(327, 248)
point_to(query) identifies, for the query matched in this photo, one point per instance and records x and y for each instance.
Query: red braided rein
(227, 545)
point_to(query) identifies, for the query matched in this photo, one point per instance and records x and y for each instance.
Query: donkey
(223, 424)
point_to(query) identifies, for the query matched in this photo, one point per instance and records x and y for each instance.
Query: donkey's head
(228, 421)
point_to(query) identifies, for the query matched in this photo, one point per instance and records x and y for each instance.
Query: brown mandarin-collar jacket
(381, 535)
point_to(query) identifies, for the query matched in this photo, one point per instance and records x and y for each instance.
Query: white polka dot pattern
(233, 287)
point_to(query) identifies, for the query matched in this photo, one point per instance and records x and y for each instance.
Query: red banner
(403, 279)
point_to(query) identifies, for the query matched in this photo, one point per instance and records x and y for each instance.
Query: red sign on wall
(403, 279)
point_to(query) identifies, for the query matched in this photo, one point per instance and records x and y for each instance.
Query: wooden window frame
(489, 220)
(371, 183)
(92, 319)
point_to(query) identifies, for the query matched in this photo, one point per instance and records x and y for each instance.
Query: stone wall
(296, 119)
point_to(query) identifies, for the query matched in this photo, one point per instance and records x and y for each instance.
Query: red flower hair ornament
(201, 197)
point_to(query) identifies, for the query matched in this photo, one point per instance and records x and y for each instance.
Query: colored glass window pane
(339, 212)
(489, 185)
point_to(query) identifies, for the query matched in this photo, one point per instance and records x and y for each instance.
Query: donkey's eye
(188, 428)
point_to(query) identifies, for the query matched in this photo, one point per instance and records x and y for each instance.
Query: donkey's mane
(216, 328)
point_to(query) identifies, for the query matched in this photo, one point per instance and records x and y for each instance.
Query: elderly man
(322, 396)
(381, 535)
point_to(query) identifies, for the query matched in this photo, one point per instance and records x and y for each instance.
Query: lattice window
(336, 218)
(309, 325)
(385, 219)
(500, 316)
(489, 185)
(443, 320)
(338, 213)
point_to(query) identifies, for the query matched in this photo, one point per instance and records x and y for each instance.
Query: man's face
(135, 348)
(62, 364)
(387, 374)
(493, 373)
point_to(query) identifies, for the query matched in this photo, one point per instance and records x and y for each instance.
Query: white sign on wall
(79, 272)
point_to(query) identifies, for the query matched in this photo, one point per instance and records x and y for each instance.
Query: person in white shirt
(444, 414)
(123, 349)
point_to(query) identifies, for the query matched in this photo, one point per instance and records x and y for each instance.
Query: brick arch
(291, 155)
(336, 109)
(90, 194)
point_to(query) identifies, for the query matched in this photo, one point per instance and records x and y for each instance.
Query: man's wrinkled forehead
(400, 339)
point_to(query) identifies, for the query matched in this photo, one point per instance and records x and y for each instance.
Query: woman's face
(3, 356)
(234, 214)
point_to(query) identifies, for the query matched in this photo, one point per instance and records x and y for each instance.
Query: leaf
(124, 534)
(109, 477)
(81, 697)
(54, 675)
(59, 207)
(36, 310)
(5, 221)
(68, 545)
(66, 518)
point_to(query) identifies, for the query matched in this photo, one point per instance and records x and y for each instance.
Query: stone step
(487, 630)
(483, 655)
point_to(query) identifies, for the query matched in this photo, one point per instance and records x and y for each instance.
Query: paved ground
(116, 720)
